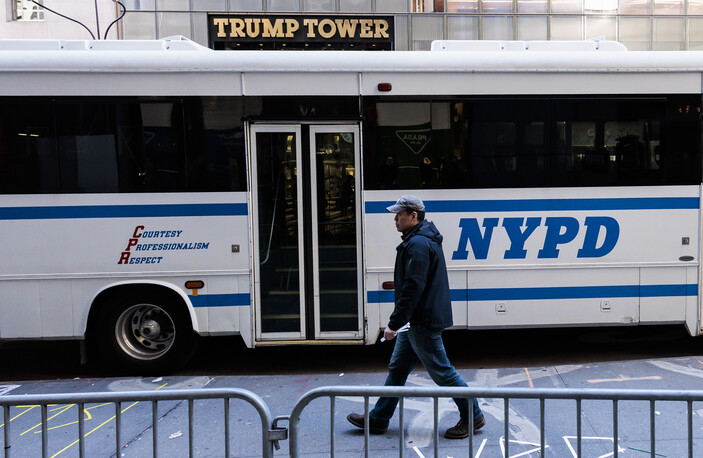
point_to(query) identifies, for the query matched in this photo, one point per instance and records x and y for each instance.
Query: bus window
(28, 159)
(215, 153)
(86, 146)
(625, 142)
(502, 143)
(410, 146)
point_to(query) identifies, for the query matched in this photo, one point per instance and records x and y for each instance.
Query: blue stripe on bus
(560, 292)
(220, 300)
(123, 211)
(515, 205)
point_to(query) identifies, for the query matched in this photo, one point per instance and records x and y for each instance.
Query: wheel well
(103, 298)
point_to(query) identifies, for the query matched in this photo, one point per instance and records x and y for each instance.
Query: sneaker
(461, 429)
(358, 421)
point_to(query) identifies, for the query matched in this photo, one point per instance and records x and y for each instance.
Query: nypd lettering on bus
(601, 234)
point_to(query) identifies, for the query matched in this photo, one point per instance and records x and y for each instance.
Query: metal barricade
(269, 437)
(542, 395)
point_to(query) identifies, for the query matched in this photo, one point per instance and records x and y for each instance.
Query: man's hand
(389, 334)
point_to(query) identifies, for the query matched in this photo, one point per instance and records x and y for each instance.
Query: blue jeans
(426, 346)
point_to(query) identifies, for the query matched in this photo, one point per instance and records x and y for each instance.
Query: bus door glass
(307, 256)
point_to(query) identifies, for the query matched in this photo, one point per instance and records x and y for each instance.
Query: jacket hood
(426, 228)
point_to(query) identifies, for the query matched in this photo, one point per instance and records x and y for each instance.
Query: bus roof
(453, 67)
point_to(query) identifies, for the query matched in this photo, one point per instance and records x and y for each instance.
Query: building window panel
(636, 33)
(283, 5)
(695, 7)
(325, 6)
(392, 6)
(462, 6)
(462, 28)
(532, 6)
(668, 7)
(634, 6)
(173, 5)
(695, 33)
(566, 28)
(635, 29)
(497, 28)
(600, 6)
(567, 6)
(597, 26)
(139, 5)
(200, 28)
(139, 26)
(668, 34)
(401, 33)
(428, 6)
(28, 11)
(532, 28)
(209, 5)
(355, 6)
(245, 5)
(170, 24)
(427, 27)
(497, 6)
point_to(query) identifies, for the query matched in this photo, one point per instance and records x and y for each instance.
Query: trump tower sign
(227, 31)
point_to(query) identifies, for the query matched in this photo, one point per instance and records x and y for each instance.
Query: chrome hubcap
(145, 331)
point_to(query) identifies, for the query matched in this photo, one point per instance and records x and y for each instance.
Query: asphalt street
(607, 358)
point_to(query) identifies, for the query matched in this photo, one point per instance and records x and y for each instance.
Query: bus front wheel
(145, 332)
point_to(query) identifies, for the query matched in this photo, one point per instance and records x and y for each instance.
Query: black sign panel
(233, 31)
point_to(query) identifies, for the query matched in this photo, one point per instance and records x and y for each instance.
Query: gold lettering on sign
(366, 28)
(310, 24)
(252, 27)
(327, 23)
(220, 23)
(275, 30)
(237, 29)
(291, 27)
(381, 28)
(346, 27)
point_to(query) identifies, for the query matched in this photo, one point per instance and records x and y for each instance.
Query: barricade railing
(506, 394)
(270, 433)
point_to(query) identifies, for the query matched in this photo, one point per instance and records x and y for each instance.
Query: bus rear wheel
(146, 332)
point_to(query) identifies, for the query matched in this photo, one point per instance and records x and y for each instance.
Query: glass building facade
(638, 24)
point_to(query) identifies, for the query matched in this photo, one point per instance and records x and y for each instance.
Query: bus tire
(146, 332)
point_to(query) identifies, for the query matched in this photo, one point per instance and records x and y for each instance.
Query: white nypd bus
(155, 191)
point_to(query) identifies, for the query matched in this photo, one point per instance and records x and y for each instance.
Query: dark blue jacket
(421, 282)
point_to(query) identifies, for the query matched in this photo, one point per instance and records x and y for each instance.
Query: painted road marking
(529, 379)
(673, 367)
(4, 389)
(62, 410)
(100, 425)
(536, 447)
(610, 439)
(623, 378)
(20, 414)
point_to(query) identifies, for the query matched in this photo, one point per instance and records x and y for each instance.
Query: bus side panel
(376, 312)
(693, 302)
(662, 309)
(20, 310)
(559, 256)
(55, 297)
(36, 309)
(73, 246)
(229, 294)
(531, 297)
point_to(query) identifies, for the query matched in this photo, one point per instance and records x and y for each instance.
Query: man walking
(421, 299)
